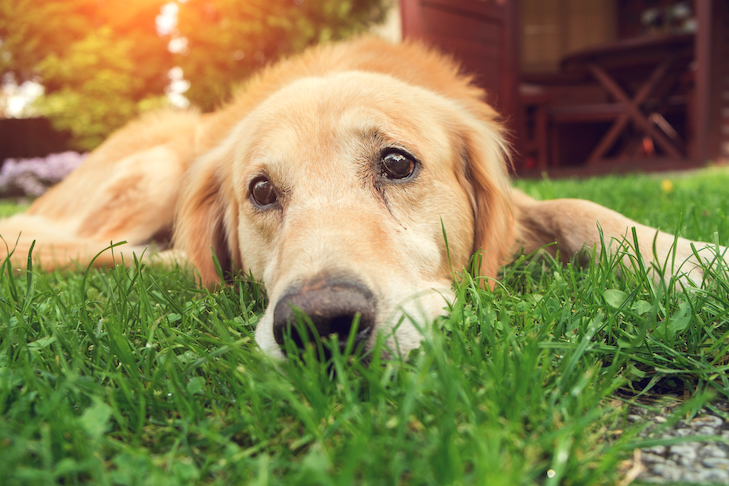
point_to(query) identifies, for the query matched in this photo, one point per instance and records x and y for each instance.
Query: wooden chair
(640, 79)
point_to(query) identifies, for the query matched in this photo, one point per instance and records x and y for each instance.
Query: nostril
(332, 307)
(342, 327)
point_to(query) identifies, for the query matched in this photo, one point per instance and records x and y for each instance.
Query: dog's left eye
(397, 166)
(263, 192)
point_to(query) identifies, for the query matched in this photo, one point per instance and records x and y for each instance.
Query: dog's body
(331, 179)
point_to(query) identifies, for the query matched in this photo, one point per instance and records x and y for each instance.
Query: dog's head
(334, 191)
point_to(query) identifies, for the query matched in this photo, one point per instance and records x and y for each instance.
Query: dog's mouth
(326, 316)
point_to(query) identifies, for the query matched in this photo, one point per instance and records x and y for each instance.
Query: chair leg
(540, 130)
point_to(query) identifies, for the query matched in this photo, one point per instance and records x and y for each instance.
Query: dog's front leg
(576, 225)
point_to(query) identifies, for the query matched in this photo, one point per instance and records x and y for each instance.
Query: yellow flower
(666, 186)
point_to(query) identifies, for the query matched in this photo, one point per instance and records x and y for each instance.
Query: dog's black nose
(331, 305)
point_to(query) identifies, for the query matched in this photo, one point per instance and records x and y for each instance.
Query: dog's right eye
(263, 192)
(397, 166)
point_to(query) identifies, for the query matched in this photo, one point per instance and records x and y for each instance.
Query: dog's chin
(402, 325)
(264, 335)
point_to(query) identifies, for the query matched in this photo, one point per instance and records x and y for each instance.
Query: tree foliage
(101, 62)
(32, 29)
(227, 40)
(98, 87)
(98, 61)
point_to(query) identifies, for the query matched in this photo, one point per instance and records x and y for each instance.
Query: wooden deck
(639, 104)
(616, 168)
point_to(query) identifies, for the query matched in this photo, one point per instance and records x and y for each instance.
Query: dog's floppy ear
(485, 153)
(206, 218)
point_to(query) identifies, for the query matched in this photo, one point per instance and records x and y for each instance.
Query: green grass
(8, 208)
(136, 376)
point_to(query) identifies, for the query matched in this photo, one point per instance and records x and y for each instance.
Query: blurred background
(88, 66)
(586, 86)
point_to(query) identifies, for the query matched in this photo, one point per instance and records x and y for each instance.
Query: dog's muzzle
(332, 305)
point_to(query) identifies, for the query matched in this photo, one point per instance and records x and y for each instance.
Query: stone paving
(694, 462)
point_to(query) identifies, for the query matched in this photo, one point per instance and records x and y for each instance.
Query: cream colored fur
(316, 125)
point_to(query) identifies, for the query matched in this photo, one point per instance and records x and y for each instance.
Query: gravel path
(704, 462)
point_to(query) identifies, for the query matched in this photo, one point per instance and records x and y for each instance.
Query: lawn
(136, 376)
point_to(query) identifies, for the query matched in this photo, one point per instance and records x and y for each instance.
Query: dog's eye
(397, 166)
(263, 192)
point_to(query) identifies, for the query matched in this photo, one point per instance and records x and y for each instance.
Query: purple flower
(33, 177)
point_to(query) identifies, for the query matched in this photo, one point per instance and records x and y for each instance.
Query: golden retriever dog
(331, 178)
